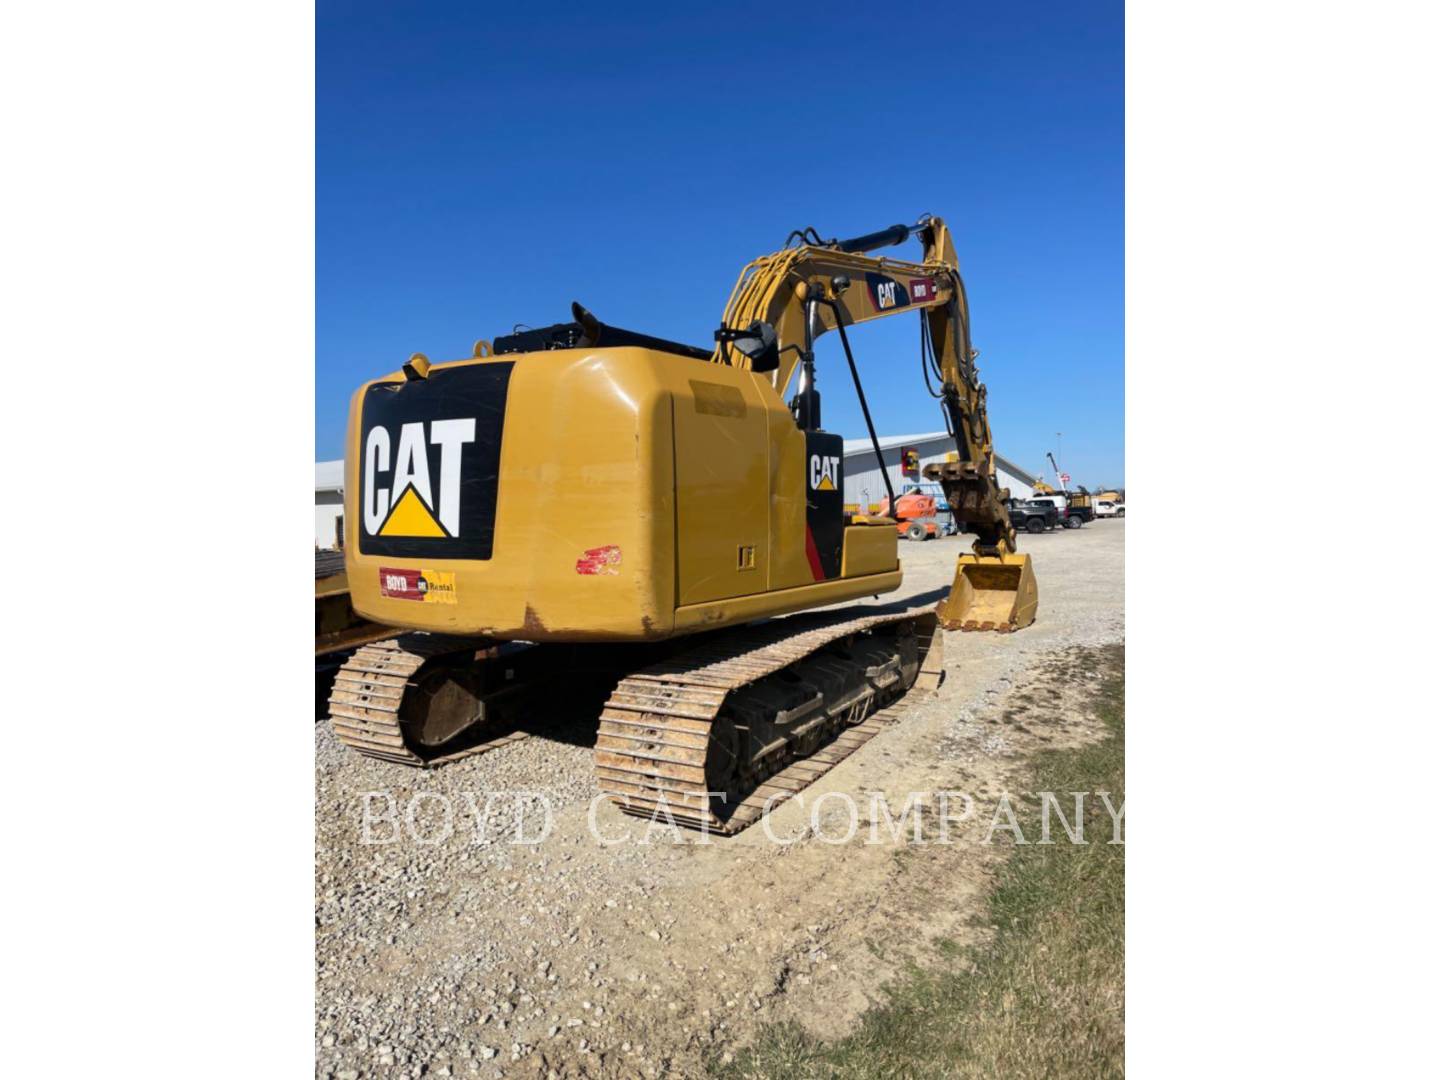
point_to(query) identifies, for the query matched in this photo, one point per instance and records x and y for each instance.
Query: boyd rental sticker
(427, 586)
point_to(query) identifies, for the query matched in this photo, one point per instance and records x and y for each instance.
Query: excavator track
(667, 730)
(370, 689)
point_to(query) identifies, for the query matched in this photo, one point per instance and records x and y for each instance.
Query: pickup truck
(1034, 515)
(1061, 502)
(1082, 507)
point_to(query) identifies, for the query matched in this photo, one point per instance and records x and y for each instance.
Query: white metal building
(864, 488)
(329, 502)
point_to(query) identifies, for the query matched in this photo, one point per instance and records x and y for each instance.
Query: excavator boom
(786, 300)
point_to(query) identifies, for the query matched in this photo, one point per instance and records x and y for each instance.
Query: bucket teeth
(994, 593)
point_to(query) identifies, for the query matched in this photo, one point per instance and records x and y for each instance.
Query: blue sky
(484, 165)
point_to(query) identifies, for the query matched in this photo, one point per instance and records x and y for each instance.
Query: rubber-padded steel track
(655, 729)
(365, 703)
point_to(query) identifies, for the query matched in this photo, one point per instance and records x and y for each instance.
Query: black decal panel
(886, 292)
(446, 470)
(824, 503)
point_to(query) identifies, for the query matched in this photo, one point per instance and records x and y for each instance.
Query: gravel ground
(448, 945)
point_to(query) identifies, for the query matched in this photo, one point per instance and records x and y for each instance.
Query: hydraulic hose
(840, 314)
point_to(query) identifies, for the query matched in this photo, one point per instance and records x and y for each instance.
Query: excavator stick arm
(807, 290)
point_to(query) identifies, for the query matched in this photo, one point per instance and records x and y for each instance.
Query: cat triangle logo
(824, 472)
(411, 517)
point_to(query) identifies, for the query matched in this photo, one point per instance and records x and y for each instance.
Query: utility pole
(1059, 453)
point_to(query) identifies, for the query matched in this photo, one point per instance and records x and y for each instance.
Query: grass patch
(1046, 997)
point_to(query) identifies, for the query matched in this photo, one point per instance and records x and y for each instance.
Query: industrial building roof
(891, 442)
(330, 475)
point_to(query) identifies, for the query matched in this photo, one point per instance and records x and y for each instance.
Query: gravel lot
(454, 950)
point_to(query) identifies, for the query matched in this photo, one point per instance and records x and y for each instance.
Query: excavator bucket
(991, 592)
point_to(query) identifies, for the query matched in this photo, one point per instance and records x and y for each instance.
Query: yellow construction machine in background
(338, 629)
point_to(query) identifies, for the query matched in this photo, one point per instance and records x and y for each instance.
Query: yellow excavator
(582, 502)
(338, 630)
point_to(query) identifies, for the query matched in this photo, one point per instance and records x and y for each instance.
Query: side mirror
(758, 343)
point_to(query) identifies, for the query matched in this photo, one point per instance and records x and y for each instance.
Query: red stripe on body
(813, 554)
